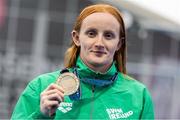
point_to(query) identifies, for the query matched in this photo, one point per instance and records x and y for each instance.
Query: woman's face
(98, 40)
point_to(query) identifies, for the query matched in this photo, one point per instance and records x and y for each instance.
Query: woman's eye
(91, 34)
(109, 36)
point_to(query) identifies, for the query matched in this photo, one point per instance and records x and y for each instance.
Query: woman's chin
(98, 62)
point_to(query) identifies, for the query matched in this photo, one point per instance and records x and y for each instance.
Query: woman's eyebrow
(110, 31)
(91, 29)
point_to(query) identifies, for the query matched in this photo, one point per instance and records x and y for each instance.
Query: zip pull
(93, 88)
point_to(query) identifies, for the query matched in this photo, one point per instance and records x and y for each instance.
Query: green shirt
(126, 98)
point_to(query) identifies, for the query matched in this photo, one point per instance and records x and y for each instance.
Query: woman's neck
(98, 67)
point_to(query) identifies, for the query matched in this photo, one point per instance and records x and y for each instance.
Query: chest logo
(65, 107)
(116, 113)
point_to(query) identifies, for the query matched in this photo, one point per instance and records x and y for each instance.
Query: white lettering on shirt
(116, 113)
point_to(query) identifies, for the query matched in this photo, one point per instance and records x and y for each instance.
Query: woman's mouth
(99, 52)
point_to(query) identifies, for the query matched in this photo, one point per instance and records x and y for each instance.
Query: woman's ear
(75, 37)
(119, 45)
(121, 42)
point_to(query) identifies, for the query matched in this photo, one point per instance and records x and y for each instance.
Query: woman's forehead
(101, 19)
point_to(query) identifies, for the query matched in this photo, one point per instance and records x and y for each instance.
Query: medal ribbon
(97, 82)
(92, 81)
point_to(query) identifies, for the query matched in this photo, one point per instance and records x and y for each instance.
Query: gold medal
(69, 82)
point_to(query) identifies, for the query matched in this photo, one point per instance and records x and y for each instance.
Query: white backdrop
(170, 9)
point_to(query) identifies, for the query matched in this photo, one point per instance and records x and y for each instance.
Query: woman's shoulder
(46, 76)
(43, 80)
(132, 86)
(131, 82)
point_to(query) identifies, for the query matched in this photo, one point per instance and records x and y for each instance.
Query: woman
(97, 56)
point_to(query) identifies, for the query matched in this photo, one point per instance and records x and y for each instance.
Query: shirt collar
(85, 71)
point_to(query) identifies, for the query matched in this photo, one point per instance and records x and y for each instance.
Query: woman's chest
(105, 104)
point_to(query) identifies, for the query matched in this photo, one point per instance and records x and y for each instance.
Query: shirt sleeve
(148, 109)
(28, 105)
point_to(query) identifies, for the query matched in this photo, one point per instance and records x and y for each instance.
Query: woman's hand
(50, 99)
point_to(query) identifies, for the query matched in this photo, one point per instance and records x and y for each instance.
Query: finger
(51, 107)
(50, 103)
(55, 86)
(52, 97)
(49, 92)
(52, 110)
(59, 88)
(56, 96)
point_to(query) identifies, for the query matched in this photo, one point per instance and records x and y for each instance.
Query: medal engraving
(69, 82)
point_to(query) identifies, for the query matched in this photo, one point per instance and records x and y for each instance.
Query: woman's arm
(28, 105)
(148, 110)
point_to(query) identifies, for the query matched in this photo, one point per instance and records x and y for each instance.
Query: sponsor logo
(65, 107)
(116, 113)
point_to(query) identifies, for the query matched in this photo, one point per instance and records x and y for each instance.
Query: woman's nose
(99, 41)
